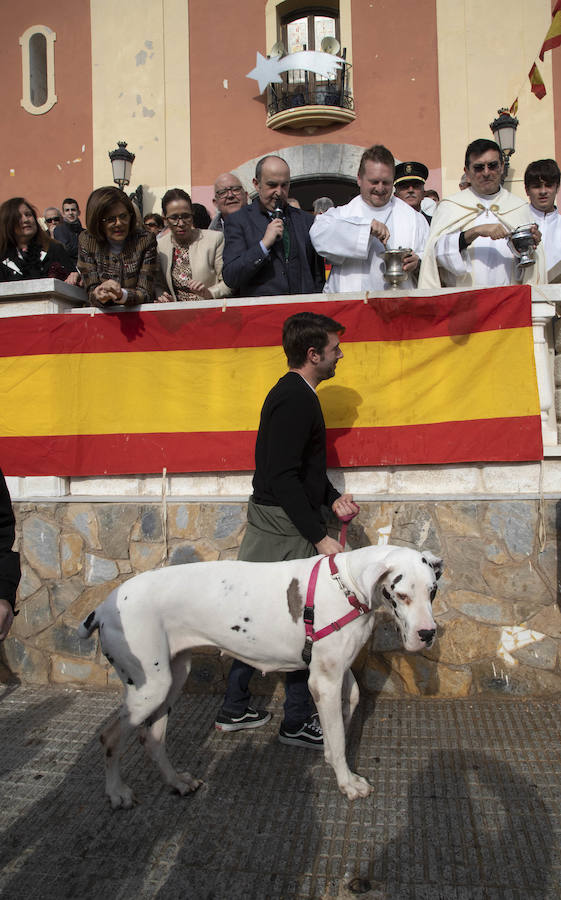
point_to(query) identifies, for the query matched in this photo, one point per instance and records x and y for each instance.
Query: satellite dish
(330, 45)
(278, 49)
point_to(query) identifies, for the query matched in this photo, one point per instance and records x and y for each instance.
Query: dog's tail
(88, 626)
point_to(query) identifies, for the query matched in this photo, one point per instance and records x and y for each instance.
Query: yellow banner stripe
(479, 376)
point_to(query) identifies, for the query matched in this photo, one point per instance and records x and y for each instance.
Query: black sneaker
(252, 718)
(308, 735)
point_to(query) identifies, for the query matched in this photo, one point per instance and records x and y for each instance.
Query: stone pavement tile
(466, 805)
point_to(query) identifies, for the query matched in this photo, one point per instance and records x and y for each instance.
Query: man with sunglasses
(229, 196)
(468, 245)
(52, 217)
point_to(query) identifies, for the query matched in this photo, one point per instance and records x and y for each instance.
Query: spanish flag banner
(553, 36)
(537, 85)
(441, 379)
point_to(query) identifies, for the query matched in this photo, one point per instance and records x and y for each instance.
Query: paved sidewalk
(466, 806)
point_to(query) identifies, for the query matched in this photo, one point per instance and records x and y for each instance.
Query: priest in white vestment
(541, 180)
(353, 238)
(467, 245)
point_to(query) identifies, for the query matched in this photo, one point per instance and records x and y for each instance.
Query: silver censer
(522, 244)
(394, 265)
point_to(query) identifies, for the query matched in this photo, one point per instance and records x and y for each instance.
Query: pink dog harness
(359, 609)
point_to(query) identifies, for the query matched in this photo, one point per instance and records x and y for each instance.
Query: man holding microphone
(267, 250)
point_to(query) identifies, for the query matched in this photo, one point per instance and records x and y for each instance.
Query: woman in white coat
(190, 259)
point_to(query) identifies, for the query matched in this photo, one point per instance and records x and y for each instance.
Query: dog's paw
(122, 799)
(355, 787)
(184, 783)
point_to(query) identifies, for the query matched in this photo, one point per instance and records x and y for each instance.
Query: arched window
(305, 30)
(38, 69)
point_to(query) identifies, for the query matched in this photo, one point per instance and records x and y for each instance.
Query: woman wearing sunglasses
(117, 259)
(190, 258)
(26, 250)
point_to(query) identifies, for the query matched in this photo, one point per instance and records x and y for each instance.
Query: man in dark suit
(267, 244)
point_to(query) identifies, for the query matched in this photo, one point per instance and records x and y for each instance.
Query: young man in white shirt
(541, 180)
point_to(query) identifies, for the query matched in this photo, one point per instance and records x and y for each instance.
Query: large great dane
(149, 625)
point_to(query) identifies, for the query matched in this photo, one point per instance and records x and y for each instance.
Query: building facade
(423, 77)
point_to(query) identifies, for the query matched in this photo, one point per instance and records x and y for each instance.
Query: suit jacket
(205, 256)
(252, 273)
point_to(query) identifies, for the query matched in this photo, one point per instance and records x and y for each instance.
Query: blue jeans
(297, 706)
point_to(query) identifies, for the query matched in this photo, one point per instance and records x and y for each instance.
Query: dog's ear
(435, 562)
(373, 573)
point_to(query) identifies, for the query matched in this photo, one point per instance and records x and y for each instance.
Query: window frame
(25, 40)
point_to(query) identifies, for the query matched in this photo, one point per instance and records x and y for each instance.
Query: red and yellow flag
(553, 36)
(438, 379)
(537, 86)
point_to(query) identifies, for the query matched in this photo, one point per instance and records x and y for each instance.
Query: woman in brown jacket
(118, 263)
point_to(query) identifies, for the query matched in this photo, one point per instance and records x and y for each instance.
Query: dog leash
(345, 520)
(359, 609)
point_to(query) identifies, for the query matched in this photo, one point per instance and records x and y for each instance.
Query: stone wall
(497, 605)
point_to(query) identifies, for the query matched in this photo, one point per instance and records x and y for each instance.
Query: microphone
(278, 213)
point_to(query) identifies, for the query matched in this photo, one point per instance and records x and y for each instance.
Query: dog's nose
(427, 634)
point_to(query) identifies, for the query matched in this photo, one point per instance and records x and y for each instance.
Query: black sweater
(290, 456)
(9, 559)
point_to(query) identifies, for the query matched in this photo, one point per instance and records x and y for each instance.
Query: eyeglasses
(492, 166)
(151, 225)
(238, 191)
(180, 217)
(54, 219)
(112, 220)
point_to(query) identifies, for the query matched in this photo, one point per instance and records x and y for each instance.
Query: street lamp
(504, 131)
(121, 163)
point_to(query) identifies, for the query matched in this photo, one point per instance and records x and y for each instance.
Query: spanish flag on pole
(553, 36)
(537, 86)
(441, 379)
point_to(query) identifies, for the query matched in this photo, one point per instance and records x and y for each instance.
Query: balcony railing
(303, 100)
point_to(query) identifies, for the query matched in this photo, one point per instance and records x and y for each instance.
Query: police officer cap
(411, 171)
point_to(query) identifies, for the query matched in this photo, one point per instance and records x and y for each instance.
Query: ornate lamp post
(121, 163)
(504, 131)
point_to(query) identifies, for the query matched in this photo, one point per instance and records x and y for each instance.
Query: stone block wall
(497, 608)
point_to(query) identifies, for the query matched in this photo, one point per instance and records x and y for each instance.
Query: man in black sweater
(285, 519)
(9, 561)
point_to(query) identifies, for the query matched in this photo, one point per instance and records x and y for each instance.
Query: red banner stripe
(510, 439)
(382, 318)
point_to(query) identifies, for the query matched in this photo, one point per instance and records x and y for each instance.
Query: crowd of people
(272, 247)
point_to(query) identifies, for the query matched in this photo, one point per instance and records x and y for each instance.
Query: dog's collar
(349, 577)
(359, 609)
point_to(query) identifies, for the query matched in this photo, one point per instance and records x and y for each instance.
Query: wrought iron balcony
(304, 100)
